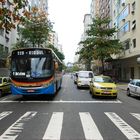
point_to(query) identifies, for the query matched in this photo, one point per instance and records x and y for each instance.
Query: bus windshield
(32, 67)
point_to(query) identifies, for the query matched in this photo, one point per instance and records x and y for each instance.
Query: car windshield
(103, 79)
(85, 75)
(32, 67)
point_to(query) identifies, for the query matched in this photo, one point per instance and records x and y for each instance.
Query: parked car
(4, 85)
(103, 86)
(133, 87)
(84, 78)
(75, 76)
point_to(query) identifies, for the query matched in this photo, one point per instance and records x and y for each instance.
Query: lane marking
(16, 128)
(136, 115)
(125, 128)
(53, 131)
(4, 99)
(4, 114)
(62, 101)
(90, 129)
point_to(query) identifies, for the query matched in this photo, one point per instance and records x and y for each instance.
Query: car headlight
(114, 88)
(97, 87)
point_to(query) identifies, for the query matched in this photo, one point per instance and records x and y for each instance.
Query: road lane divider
(67, 102)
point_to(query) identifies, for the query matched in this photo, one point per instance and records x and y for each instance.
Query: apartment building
(53, 39)
(125, 15)
(7, 38)
(41, 4)
(105, 8)
(94, 8)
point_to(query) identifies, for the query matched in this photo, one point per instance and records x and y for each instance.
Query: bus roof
(38, 49)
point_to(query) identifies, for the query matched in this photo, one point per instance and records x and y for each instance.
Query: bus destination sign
(30, 52)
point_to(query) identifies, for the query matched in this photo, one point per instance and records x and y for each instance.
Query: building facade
(94, 8)
(126, 14)
(41, 4)
(7, 38)
(105, 8)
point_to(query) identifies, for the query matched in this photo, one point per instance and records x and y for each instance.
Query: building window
(127, 45)
(124, 13)
(133, 24)
(1, 47)
(123, 2)
(124, 29)
(2, 32)
(134, 42)
(133, 6)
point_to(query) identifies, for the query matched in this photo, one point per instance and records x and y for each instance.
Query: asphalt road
(71, 115)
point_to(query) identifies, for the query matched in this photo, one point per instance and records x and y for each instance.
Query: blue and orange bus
(35, 71)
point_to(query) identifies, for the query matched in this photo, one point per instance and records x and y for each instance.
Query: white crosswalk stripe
(16, 128)
(136, 115)
(90, 129)
(53, 130)
(125, 128)
(4, 114)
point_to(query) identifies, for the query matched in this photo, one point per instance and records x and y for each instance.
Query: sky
(68, 16)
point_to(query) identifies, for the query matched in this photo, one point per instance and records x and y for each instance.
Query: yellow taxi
(103, 86)
(4, 85)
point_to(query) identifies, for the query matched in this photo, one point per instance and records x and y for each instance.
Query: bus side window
(56, 65)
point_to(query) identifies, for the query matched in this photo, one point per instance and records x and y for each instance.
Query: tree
(36, 28)
(85, 56)
(100, 40)
(58, 53)
(3, 56)
(9, 17)
(75, 68)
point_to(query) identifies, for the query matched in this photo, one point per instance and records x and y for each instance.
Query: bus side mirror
(56, 65)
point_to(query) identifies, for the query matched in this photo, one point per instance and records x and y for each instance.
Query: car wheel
(115, 97)
(128, 92)
(0, 93)
(90, 90)
(93, 96)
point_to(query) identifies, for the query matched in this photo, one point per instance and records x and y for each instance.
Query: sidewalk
(4, 72)
(122, 86)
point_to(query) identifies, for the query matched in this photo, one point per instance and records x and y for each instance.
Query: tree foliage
(3, 53)
(36, 28)
(85, 56)
(10, 16)
(100, 41)
(58, 53)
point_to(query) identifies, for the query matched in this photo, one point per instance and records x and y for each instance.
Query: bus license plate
(30, 90)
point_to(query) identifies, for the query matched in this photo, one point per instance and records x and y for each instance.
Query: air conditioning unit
(133, 26)
(123, 4)
(132, 11)
(123, 19)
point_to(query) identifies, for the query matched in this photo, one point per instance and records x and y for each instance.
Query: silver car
(134, 87)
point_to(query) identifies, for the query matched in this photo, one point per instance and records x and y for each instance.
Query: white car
(134, 87)
(84, 78)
